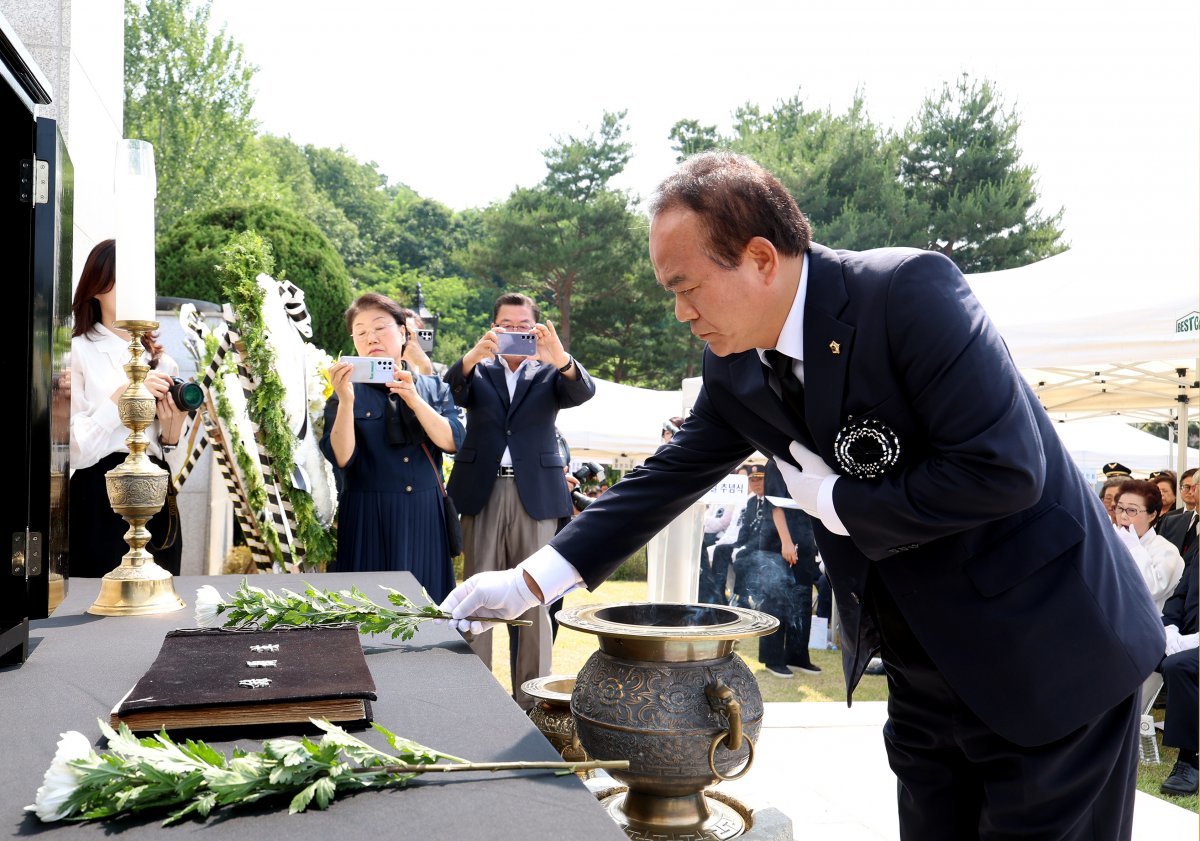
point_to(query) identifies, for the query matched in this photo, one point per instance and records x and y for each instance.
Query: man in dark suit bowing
(959, 537)
(507, 482)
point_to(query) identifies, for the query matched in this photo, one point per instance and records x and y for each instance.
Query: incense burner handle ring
(725, 703)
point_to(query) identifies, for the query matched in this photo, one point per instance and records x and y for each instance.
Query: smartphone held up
(517, 344)
(371, 369)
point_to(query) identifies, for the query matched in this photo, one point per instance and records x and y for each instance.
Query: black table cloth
(432, 689)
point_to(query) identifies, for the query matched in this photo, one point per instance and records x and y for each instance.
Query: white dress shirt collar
(791, 337)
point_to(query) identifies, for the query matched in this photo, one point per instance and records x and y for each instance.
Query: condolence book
(218, 678)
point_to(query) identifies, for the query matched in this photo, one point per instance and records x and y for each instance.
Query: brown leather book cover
(220, 678)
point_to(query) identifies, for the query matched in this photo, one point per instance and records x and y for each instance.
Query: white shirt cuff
(825, 510)
(553, 573)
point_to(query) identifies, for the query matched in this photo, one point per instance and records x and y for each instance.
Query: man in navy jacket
(960, 539)
(507, 482)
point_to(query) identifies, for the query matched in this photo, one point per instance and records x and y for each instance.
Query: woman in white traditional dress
(1138, 510)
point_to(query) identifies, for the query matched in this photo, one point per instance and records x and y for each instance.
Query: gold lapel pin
(835, 348)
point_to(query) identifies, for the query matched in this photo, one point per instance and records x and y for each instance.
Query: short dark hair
(1189, 473)
(515, 299)
(1148, 491)
(375, 301)
(736, 200)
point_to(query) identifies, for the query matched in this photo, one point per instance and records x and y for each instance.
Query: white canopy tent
(1093, 442)
(621, 425)
(1095, 339)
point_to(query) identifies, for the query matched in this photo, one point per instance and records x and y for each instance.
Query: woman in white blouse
(1138, 509)
(99, 352)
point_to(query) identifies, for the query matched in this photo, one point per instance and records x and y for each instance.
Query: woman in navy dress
(390, 514)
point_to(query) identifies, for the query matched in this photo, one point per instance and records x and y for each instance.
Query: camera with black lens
(587, 471)
(580, 500)
(187, 394)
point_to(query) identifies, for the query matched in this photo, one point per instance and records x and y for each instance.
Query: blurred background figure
(1108, 495)
(1167, 486)
(670, 427)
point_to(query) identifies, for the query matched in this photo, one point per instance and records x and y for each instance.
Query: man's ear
(761, 253)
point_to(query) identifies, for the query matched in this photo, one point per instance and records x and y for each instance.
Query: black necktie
(792, 392)
(789, 384)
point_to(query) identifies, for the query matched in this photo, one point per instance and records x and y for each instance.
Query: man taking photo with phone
(507, 481)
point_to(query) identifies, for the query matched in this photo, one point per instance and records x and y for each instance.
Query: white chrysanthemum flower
(208, 602)
(61, 779)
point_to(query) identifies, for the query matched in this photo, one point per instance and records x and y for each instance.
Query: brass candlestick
(137, 489)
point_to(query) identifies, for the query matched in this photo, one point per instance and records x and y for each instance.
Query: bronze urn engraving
(667, 692)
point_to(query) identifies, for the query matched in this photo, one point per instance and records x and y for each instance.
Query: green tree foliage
(962, 167)
(841, 169)
(189, 252)
(579, 168)
(688, 138)
(187, 92)
(426, 235)
(359, 190)
(290, 183)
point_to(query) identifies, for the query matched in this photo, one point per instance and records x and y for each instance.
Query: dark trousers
(707, 591)
(1179, 673)
(722, 558)
(793, 608)
(96, 533)
(824, 597)
(956, 779)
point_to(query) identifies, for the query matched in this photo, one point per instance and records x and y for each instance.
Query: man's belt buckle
(505, 472)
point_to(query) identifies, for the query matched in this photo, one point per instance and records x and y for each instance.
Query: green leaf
(326, 790)
(302, 799)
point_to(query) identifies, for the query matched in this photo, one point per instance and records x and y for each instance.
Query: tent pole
(1181, 436)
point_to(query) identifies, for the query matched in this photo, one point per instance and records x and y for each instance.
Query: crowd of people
(1161, 536)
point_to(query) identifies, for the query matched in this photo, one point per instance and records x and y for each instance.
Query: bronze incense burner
(667, 692)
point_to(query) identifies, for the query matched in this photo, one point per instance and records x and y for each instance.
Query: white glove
(1129, 537)
(1177, 642)
(502, 594)
(804, 484)
(1172, 639)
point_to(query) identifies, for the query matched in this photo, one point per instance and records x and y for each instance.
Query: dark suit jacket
(1002, 560)
(1174, 527)
(1183, 607)
(525, 425)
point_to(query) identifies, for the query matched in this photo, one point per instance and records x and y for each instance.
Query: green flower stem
(255, 607)
(561, 767)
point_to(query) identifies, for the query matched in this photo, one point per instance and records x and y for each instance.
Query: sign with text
(732, 488)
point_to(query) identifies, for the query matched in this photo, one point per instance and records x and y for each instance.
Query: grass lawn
(572, 648)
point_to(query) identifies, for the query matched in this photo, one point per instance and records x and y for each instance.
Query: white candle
(135, 187)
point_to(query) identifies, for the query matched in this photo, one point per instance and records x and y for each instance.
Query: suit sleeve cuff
(553, 573)
(825, 510)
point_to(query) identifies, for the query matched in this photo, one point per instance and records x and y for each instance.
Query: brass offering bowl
(552, 716)
(667, 692)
